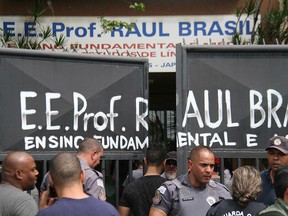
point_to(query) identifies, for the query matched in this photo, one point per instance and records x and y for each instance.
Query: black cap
(280, 143)
(172, 155)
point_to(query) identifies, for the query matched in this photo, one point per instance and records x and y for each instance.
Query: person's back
(137, 196)
(18, 175)
(89, 206)
(67, 178)
(89, 153)
(246, 185)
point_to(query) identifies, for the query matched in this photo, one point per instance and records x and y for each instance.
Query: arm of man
(123, 210)
(156, 212)
(94, 185)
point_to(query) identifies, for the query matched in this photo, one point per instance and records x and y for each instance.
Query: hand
(46, 200)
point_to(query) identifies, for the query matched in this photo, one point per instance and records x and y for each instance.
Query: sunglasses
(171, 162)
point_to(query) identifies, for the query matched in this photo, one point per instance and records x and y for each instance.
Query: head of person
(65, 170)
(171, 165)
(200, 166)
(138, 164)
(90, 150)
(277, 152)
(246, 185)
(155, 156)
(281, 183)
(19, 170)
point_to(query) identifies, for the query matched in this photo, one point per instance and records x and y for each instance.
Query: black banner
(231, 98)
(50, 101)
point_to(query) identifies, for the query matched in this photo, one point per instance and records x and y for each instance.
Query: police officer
(89, 153)
(192, 193)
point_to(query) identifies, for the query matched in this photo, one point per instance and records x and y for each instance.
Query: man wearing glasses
(170, 172)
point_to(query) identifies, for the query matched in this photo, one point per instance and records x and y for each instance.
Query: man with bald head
(19, 174)
(67, 177)
(89, 153)
(192, 193)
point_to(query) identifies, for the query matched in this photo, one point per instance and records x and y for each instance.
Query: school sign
(153, 37)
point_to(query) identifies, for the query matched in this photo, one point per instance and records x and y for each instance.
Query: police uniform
(179, 197)
(93, 184)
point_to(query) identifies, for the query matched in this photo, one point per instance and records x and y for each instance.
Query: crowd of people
(73, 186)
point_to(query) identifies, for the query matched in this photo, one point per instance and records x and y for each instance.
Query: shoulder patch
(102, 195)
(157, 197)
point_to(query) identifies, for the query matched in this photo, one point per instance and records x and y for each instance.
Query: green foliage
(26, 42)
(108, 25)
(277, 24)
(250, 9)
(6, 37)
(60, 41)
(137, 6)
(35, 14)
(37, 11)
(273, 28)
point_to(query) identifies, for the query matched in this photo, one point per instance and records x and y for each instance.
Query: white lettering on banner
(119, 142)
(101, 121)
(140, 118)
(266, 112)
(191, 102)
(25, 111)
(87, 116)
(153, 37)
(48, 98)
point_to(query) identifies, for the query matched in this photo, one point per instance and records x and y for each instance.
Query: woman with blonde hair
(246, 185)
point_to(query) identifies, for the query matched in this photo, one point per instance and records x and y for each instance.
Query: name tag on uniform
(188, 199)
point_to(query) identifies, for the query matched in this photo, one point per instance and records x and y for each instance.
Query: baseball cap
(280, 143)
(172, 155)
